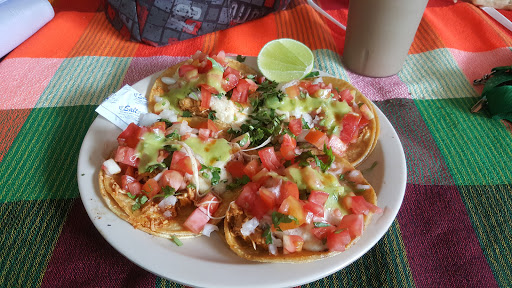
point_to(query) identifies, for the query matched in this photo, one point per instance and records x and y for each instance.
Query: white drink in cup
(379, 35)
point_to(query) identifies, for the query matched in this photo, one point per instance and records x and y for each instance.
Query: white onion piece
(318, 80)
(272, 249)
(302, 136)
(169, 115)
(195, 176)
(167, 214)
(249, 226)
(147, 119)
(110, 167)
(158, 176)
(354, 174)
(261, 145)
(362, 187)
(168, 80)
(167, 201)
(209, 228)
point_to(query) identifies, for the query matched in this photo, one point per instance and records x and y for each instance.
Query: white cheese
(229, 112)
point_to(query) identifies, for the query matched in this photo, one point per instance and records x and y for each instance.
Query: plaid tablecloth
(454, 228)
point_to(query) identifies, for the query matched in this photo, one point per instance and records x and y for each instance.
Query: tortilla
(367, 140)
(149, 218)
(246, 250)
(160, 88)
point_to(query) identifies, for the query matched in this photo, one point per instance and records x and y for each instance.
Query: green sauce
(213, 78)
(310, 179)
(333, 110)
(148, 147)
(210, 151)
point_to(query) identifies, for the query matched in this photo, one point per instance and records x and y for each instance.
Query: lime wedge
(283, 60)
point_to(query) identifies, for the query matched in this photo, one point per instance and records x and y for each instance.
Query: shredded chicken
(237, 219)
(193, 106)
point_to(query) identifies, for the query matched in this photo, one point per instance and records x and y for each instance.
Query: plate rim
(101, 216)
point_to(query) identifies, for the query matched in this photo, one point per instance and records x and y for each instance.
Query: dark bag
(161, 22)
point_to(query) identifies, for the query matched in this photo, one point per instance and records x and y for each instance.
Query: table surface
(454, 228)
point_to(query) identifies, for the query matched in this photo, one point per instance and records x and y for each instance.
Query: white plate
(208, 262)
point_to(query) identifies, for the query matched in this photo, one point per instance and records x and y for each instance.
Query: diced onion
(362, 187)
(249, 226)
(147, 119)
(261, 145)
(272, 249)
(110, 167)
(354, 174)
(169, 115)
(158, 176)
(209, 228)
(167, 201)
(167, 214)
(168, 80)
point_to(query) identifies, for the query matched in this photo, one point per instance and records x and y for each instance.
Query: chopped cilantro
(167, 122)
(321, 224)
(176, 240)
(312, 74)
(324, 166)
(215, 64)
(238, 182)
(240, 58)
(166, 192)
(191, 186)
(267, 235)
(139, 201)
(211, 115)
(369, 169)
(278, 218)
(154, 167)
(186, 114)
(304, 124)
(219, 96)
(214, 171)
(173, 136)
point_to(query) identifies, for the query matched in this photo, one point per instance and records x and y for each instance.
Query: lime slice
(284, 60)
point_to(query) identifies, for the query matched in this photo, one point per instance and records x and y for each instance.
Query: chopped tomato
(205, 66)
(288, 188)
(231, 70)
(367, 113)
(268, 197)
(295, 126)
(220, 58)
(338, 240)
(358, 205)
(350, 124)
(206, 96)
(292, 243)
(158, 126)
(252, 168)
(261, 79)
(162, 154)
(210, 125)
(347, 96)
(229, 82)
(130, 136)
(269, 158)
(247, 196)
(317, 138)
(292, 91)
(209, 88)
(204, 134)
(209, 203)
(196, 221)
(129, 170)
(316, 209)
(259, 208)
(135, 188)
(151, 188)
(354, 223)
(125, 180)
(236, 169)
(318, 197)
(322, 232)
(338, 147)
(182, 163)
(240, 94)
(313, 88)
(173, 179)
(185, 69)
(251, 85)
(293, 207)
(126, 155)
(288, 147)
